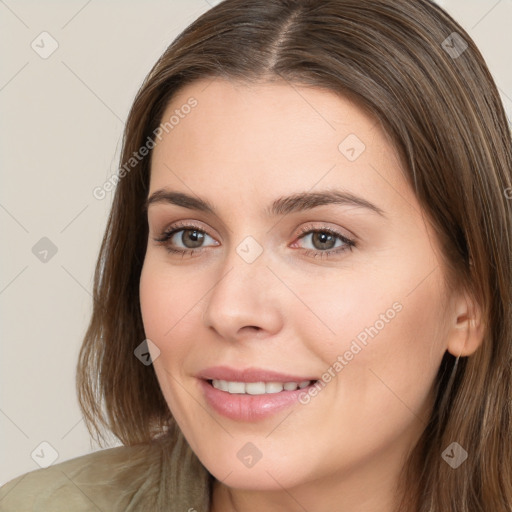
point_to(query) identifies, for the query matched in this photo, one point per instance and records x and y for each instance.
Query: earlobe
(468, 329)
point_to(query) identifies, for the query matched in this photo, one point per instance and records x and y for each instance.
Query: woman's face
(349, 292)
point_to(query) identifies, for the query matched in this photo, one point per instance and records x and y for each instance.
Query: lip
(249, 375)
(249, 408)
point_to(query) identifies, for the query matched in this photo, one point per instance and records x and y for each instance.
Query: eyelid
(339, 231)
(185, 225)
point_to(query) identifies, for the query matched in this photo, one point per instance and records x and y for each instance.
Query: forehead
(277, 115)
(272, 137)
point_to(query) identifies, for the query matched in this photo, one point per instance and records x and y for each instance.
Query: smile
(257, 388)
(247, 402)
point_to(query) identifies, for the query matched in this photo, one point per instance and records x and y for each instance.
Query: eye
(325, 241)
(192, 237)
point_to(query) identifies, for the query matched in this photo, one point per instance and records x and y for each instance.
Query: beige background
(61, 125)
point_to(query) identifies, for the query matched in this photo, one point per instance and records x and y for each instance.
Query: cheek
(383, 338)
(168, 302)
(155, 297)
(167, 307)
(394, 310)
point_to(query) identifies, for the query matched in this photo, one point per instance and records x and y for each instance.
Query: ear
(467, 326)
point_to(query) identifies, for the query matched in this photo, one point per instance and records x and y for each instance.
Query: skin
(240, 148)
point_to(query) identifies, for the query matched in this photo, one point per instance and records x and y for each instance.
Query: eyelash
(168, 234)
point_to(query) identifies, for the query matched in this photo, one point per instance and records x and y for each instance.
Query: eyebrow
(281, 206)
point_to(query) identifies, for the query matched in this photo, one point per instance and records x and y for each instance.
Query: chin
(266, 475)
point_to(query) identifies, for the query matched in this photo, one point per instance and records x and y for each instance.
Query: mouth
(258, 388)
(252, 401)
(235, 377)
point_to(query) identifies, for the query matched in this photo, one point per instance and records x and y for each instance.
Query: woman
(302, 299)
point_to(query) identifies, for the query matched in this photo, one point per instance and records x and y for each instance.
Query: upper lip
(249, 375)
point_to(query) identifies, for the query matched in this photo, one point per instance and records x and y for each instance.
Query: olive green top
(163, 476)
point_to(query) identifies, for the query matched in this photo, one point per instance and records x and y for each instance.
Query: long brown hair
(418, 72)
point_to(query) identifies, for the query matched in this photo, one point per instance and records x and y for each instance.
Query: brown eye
(326, 240)
(323, 240)
(183, 238)
(191, 239)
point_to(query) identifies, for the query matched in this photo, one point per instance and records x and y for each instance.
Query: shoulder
(96, 481)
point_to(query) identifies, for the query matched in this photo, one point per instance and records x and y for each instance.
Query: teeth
(254, 388)
(273, 387)
(222, 385)
(236, 387)
(258, 388)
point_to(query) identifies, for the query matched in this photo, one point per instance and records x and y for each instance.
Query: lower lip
(243, 407)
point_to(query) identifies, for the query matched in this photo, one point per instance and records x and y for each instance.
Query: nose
(245, 300)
